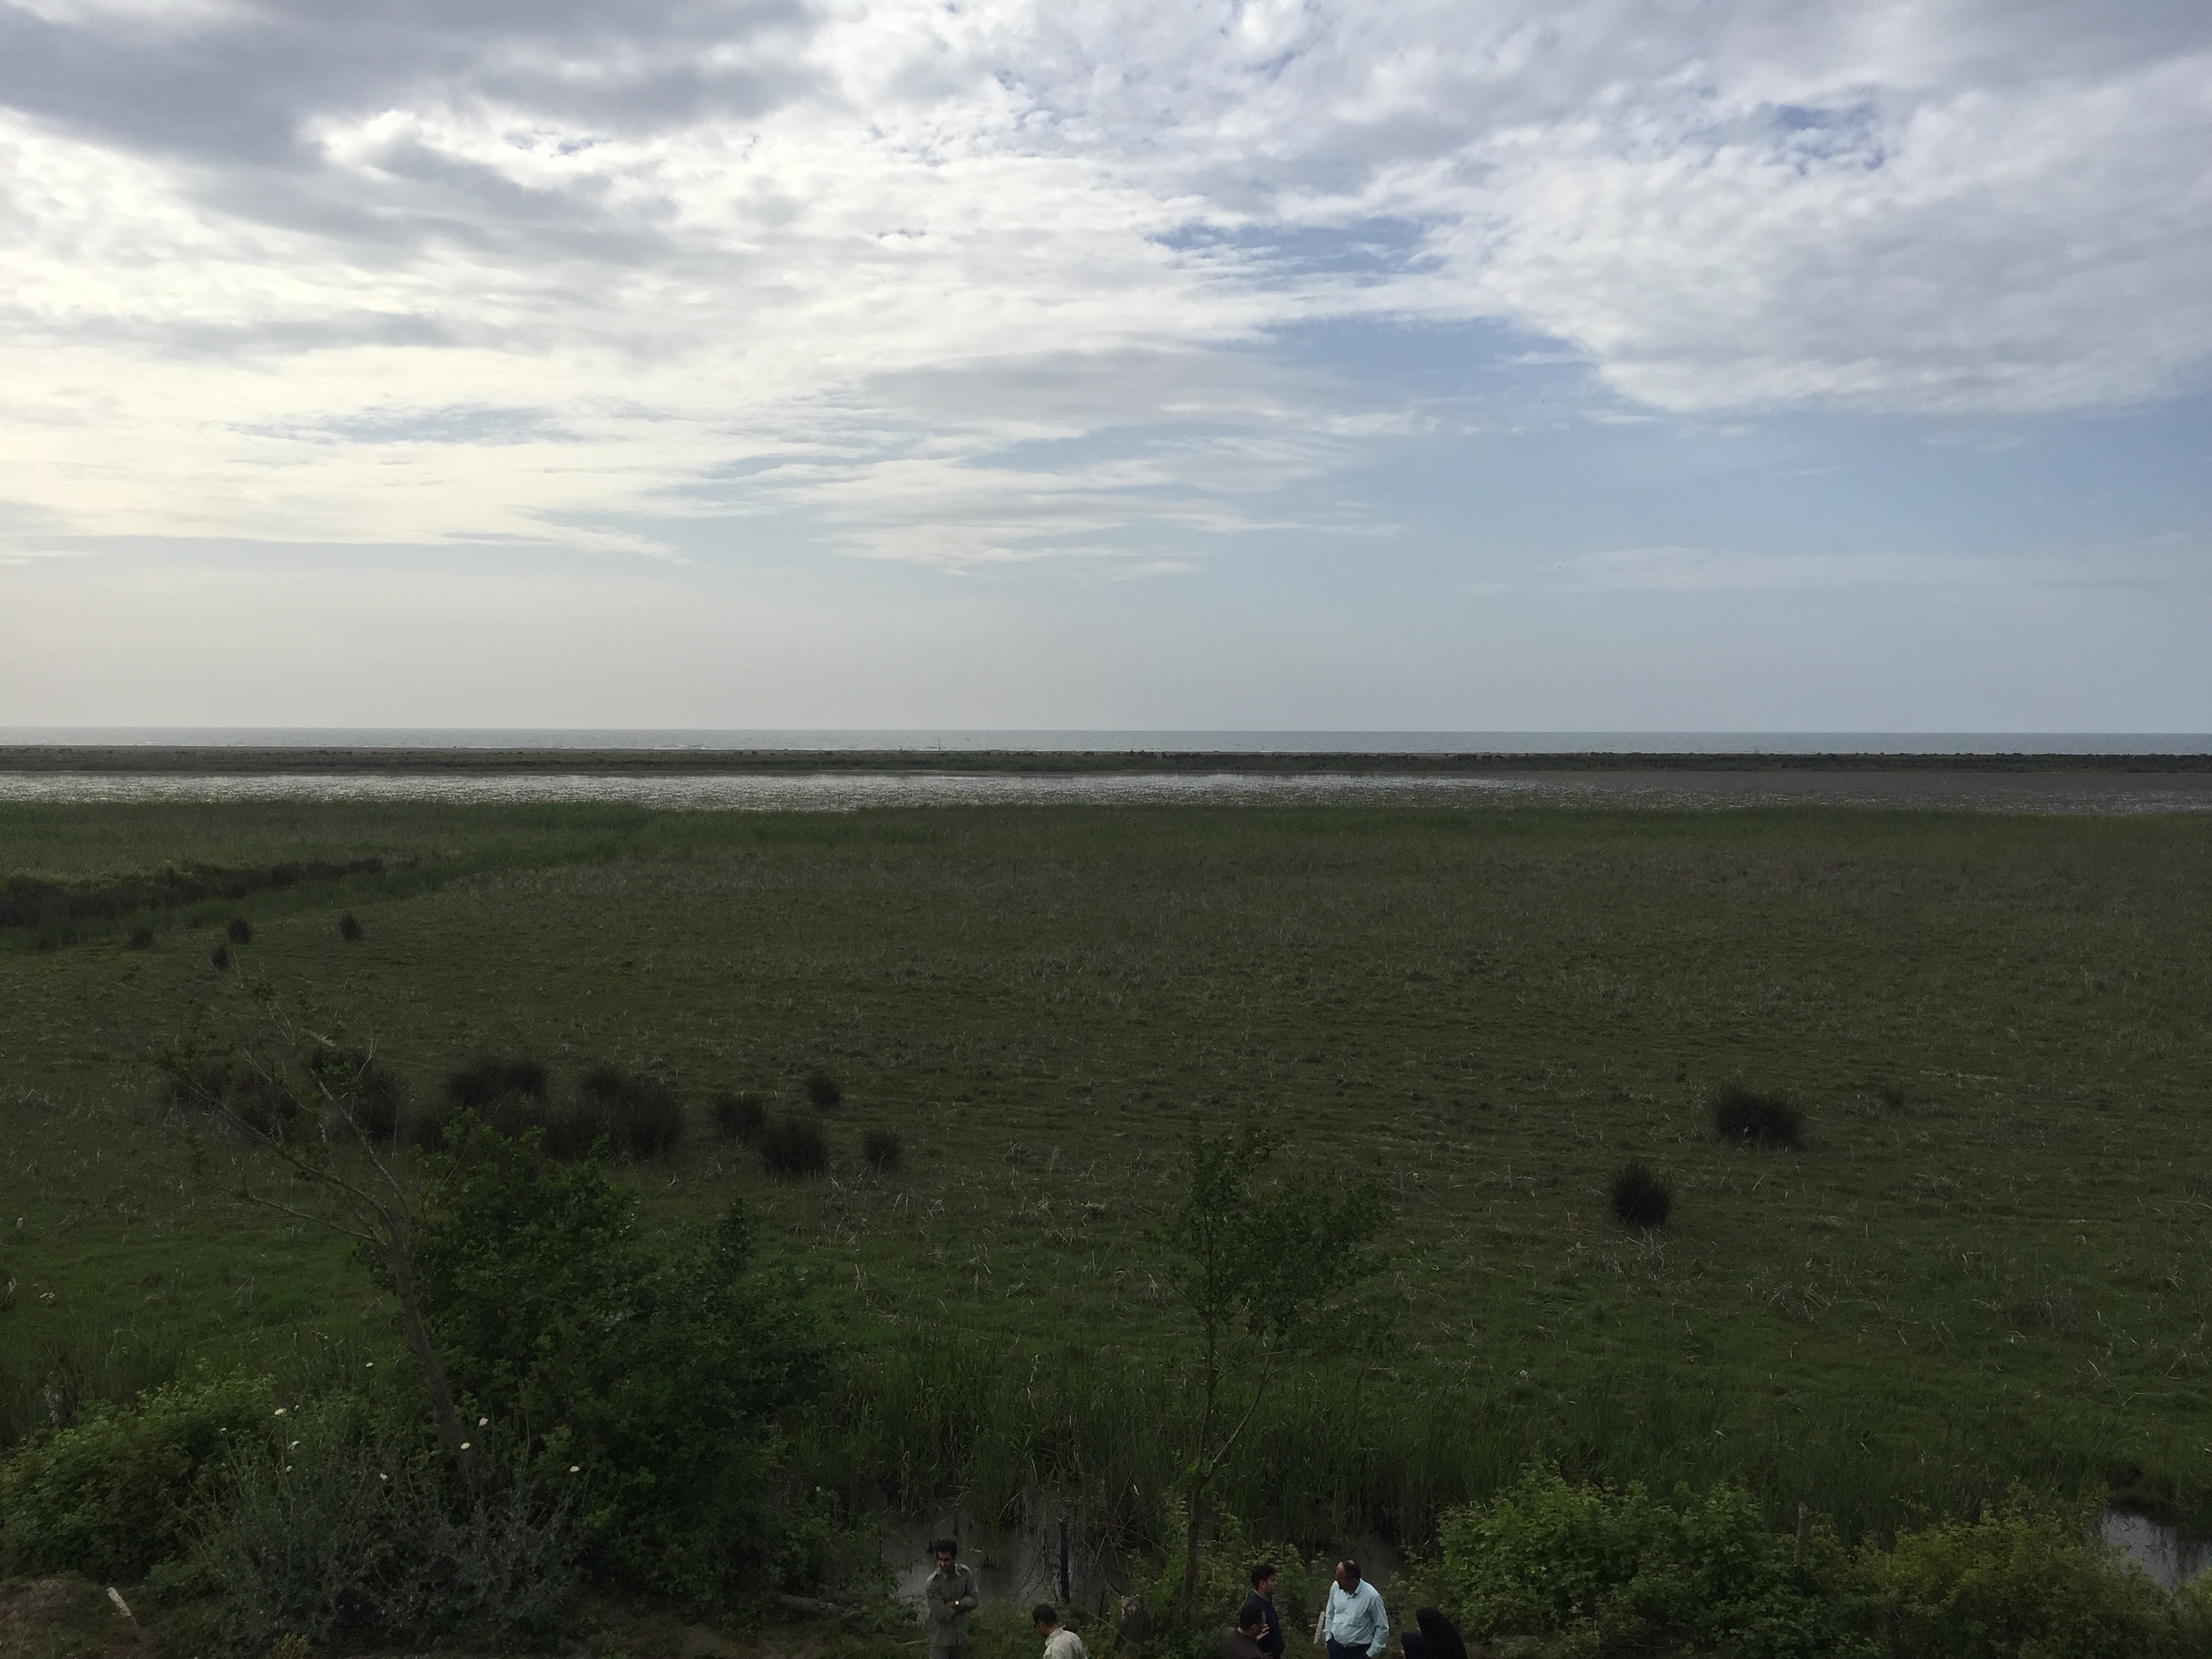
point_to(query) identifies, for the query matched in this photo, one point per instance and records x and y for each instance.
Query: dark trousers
(1338, 1650)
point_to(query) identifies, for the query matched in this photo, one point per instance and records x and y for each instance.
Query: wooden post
(1804, 1532)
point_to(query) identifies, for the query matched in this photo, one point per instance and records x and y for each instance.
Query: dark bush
(824, 1091)
(356, 1082)
(241, 930)
(883, 1149)
(352, 1532)
(350, 928)
(114, 1494)
(640, 1112)
(738, 1117)
(1892, 1096)
(793, 1148)
(1640, 1199)
(142, 938)
(219, 957)
(1744, 1118)
(658, 1366)
(480, 1082)
(425, 1131)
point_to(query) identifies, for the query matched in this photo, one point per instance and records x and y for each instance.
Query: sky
(1529, 365)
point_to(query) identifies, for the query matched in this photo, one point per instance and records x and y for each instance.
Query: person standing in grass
(1354, 1623)
(1242, 1639)
(1263, 1592)
(952, 1595)
(1060, 1642)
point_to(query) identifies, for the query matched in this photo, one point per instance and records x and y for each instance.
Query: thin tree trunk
(419, 1344)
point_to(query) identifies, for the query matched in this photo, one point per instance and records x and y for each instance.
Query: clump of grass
(640, 1112)
(219, 958)
(738, 1117)
(495, 1077)
(883, 1148)
(1743, 1117)
(1892, 1096)
(142, 938)
(793, 1149)
(350, 928)
(241, 930)
(824, 1089)
(1640, 1199)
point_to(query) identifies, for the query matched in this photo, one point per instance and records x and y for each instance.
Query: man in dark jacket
(1243, 1641)
(952, 1597)
(1263, 1592)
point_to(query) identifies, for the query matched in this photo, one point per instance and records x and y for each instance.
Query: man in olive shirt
(952, 1597)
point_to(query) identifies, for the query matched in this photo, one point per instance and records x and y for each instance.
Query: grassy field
(1987, 1263)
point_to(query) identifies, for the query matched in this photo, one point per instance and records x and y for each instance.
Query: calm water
(1227, 742)
(717, 791)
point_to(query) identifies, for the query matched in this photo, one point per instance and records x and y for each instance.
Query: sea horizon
(1109, 741)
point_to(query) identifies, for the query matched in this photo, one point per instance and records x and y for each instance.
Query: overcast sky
(1483, 364)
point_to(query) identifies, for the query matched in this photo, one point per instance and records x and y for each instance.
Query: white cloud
(734, 257)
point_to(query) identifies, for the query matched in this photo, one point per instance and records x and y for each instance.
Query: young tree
(1260, 1269)
(315, 1109)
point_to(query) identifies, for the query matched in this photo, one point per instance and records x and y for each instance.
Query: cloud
(554, 273)
(2166, 562)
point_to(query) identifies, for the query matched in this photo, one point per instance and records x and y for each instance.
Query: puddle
(2166, 1552)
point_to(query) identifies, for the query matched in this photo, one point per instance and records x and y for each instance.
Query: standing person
(1058, 1643)
(1242, 1639)
(952, 1595)
(1263, 1592)
(1354, 1623)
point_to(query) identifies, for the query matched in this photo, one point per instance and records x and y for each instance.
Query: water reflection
(2166, 1552)
(830, 791)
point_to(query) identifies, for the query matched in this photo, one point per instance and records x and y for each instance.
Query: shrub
(354, 1532)
(112, 1495)
(2018, 1581)
(142, 938)
(219, 958)
(241, 930)
(350, 928)
(640, 1112)
(1640, 1199)
(482, 1081)
(660, 1374)
(1744, 1118)
(883, 1149)
(824, 1091)
(1621, 1570)
(738, 1117)
(793, 1148)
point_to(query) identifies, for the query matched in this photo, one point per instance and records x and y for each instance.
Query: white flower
(464, 1445)
(576, 1468)
(280, 1411)
(295, 1446)
(384, 1477)
(483, 1422)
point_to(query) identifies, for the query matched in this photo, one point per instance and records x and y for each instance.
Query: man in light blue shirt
(1354, 1622)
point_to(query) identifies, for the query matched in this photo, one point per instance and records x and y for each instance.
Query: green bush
(112, 1495)
(657, 1373)
(357, 1528)
(1620, 1572)
(2022, 1581)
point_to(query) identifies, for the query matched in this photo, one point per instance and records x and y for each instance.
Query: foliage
(1258, 1269)
(352, 1527)
(350, 928)
(883, 1148)
(241, 930)
(824, 1089)
(1621, 1568)
(738, 1117)
(494, 1076)
(656, 1373)
(2018, 1581)
(1744, 1117)
(639, 1112)
(111, 1495)
(1640, 1199)
(793, 1148)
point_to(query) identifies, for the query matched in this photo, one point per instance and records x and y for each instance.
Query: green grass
(2004, 1277)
